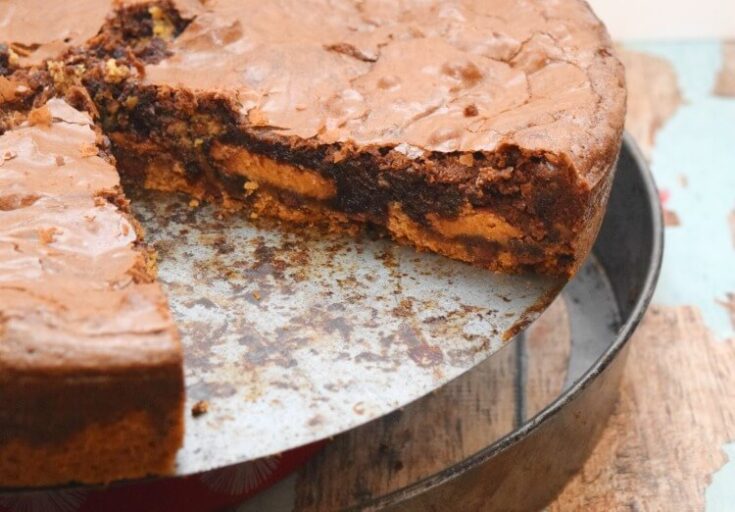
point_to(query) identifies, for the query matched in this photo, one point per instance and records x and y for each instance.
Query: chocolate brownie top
(414, 75)
(75, 297)
(465, 75)
(39, 30)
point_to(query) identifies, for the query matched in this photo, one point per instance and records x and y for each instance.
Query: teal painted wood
(699, 260)
(698, 142)
(720, 495)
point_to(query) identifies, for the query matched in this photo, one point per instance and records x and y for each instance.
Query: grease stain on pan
(282, 326)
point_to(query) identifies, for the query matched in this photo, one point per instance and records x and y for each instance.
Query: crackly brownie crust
(90, 363)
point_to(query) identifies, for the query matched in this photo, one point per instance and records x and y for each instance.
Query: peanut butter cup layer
(91, 384)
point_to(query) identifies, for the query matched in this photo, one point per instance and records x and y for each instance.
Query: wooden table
(667, 446)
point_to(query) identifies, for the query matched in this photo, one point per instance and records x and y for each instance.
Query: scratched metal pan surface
(293, 336)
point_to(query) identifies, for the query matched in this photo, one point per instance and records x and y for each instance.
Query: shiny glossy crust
(86, 339)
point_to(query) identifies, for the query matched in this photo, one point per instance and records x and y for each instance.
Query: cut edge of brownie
(105, 414)
(96, 429)
(213, 154)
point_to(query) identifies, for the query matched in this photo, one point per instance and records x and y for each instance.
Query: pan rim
(628, 327)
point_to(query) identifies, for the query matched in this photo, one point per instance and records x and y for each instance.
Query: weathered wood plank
(653, 95)
(725, 84)
(677, 410)
(441, 430)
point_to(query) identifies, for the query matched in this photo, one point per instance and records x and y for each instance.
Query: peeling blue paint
(698, 142)
(720, 495)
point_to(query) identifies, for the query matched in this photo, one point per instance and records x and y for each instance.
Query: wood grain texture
(729, 304)
(653, 95)
(442, 429)
(548, 345)
(725, 84)
(677, 408)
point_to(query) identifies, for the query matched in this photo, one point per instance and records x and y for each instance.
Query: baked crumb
(131, 102)
(250, 187)
(87, 150)
(114, 72)
(48, 235)
(8, 89)
(13, 58)
(471, 111)
(40, 117)
(65, 76)
(162, 26)
(200, 408)
(467, 159)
